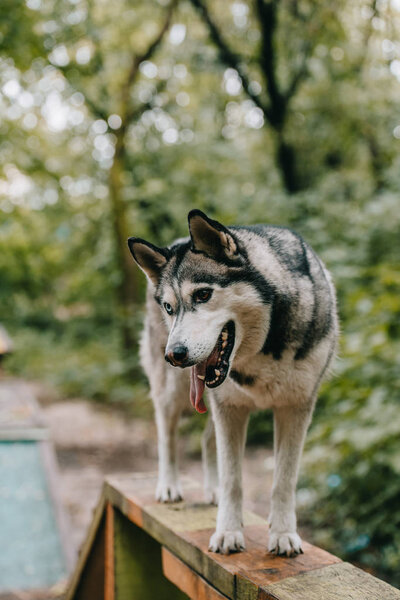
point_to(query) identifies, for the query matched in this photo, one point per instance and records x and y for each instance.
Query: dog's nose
(177, 355)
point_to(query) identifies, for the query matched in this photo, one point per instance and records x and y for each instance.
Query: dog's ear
(150, 259)
(211, 237)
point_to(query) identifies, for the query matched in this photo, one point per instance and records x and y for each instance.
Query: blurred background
(116, 118)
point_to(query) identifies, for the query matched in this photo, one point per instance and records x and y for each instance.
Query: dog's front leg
(167, 412)
(230, 429)
(290, 427)
(209, 459)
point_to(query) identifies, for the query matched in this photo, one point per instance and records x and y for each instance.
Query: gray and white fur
(278, 294)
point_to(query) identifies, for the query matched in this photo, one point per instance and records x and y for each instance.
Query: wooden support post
(109, 563)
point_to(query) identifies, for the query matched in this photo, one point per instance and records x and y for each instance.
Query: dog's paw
(286, 543)
(168, 492)
(226, 542)
(211, 496)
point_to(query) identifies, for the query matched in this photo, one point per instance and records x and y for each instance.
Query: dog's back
(297, 284)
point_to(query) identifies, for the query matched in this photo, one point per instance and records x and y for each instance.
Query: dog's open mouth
(212, 371)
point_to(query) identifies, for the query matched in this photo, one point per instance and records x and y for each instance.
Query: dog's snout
(177, 355)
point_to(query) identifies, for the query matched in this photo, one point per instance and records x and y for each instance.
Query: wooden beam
(186, 579)
(342, 581)
(109, 575)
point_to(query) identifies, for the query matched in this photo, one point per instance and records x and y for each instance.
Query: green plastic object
(31, 555)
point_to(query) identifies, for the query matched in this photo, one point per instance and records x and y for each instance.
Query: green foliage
(194, 139)
(81, 359)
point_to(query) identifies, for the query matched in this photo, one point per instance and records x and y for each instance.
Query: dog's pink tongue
(197, 387)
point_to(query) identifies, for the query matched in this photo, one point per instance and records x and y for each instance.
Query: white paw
(226, 542)
(168, 492)
(288, 543)
(211, 495)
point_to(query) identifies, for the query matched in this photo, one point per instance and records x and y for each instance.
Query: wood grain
(187, 580)
(336, 582)
(185, 528)
(109, 575)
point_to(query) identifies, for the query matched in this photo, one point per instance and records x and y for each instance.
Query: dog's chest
(264, 382)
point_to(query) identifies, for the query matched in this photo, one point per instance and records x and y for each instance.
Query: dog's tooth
(224, 335)
(224, 344)
(217, 372)
(201, 377)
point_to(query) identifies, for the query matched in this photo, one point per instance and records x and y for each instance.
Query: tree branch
(96, 110)
(299, 75)
(137, 60)
(228, 56)
(137, 112)
(268, 23)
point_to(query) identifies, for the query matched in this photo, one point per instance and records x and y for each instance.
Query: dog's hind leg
(290, 427)
(209, 458)
(230, 426)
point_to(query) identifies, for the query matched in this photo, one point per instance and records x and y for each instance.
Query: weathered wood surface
(109, 554)
(185, 529)
(331, 583)
(187, 580)
(141, 527)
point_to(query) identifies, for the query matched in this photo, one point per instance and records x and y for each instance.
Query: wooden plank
(185, 529)
(186, 579)
(109, 578)
(336, 582)
(138, 569)
(256, 566)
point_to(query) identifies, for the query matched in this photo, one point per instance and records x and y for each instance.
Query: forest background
(118, 117)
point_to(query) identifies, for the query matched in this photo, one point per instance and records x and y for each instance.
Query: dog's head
(203, 286)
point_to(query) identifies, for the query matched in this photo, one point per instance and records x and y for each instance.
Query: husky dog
(252, 312)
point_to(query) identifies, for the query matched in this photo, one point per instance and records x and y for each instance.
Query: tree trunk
(127, 291)
(286, 161)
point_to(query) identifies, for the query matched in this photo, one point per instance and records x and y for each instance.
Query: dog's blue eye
(202, 295)
(168, 308)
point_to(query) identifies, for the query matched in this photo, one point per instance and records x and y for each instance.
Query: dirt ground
(92, 441)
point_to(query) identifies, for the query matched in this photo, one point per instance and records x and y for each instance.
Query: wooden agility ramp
(36, 552)
(138, 549)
